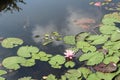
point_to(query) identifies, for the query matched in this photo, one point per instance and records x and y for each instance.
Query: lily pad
(69, 40)
(26, 78)
(98, 39)
(28, 63)
(57, 61)
(73, 74)
(69, 64)
(51, 77)
(2, 72)
(11, 42)
(42, 56)
(81, 36)
(92, 58)
(115, 36)
(108, 29)
(26, 51)
(109, 19)
(1, 78)
(85, 71)
(13, 62)
(114, 59)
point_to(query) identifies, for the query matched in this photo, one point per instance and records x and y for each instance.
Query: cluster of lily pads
(100, 54)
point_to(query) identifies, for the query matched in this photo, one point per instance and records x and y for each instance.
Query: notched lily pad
(26, 51)
(57, 61)
(13, 62)
(11, 42)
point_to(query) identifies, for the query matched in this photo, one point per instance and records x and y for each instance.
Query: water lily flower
(69, 54)
(98, 4)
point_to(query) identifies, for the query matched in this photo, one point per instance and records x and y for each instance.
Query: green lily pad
(42, 56)
(114, 59)
(115, 36)
(2, 72)
(26, 51)
(108, 29)
(85, 71)
(51, 77)
(81, 36)
(73, 74)
(26, 78)
(109, 19)
(93, 76)
(69, 64)
(57, 61)
(13, 62)
(11, 42)
(92, 58)
(28, 63)
(1, 78)
(98, 39)
(69, 40)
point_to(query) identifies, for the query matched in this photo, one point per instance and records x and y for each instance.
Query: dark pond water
(39, 17)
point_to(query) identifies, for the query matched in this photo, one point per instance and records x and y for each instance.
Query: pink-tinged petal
(98, 4)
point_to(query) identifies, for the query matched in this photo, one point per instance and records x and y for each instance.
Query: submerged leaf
(13, 62)
(11, 42)
(26, 51)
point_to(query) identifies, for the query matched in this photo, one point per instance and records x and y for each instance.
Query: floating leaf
(96, 59)
(114, 59)
(26, 51)
(2, 72)
(93, 76)
(69, 40)
(114, 36)
(108, 29)
(86, 56)
(82, 44)
(98, 39)
(73, 74)
(81, 36)
(1, 78)
(42, 56)
(93, 58)
(26, 78)
(85, 71)
(28, 62)
(51, 77)
(11, 42)
(69, 64)
(13, 62)
(109, 19)
(57, 61)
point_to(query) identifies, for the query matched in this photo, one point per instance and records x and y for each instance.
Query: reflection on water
(39, 17)
(10, 5)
